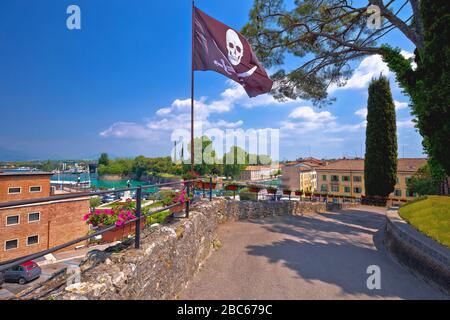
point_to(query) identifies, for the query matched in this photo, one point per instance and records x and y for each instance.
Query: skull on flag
(235, 47)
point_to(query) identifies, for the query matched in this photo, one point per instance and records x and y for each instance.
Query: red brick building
(28, 229)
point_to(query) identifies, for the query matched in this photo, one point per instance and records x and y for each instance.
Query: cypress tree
(381, 140)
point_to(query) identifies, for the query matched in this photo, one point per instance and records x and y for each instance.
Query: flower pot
(213, 185)
(231, 188)
(199, 184)
(178, 208)
(254, 189)
(271, 191)
(298, 193)
(287, 193)
(122, 232)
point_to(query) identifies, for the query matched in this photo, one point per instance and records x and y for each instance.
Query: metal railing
(188, 184)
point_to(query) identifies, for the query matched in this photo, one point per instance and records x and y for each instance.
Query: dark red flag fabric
(224, 50)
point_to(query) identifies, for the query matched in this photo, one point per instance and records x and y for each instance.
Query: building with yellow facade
(346, 178)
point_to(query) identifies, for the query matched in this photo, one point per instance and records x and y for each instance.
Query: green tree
(140, 166)
(423, 182)
(205, 156)
(235, 161)
(47, 166)
(381, 140)
(330, 34)
(95, 202)
(104, 159)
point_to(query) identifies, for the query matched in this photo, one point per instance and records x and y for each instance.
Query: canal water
(100, 184)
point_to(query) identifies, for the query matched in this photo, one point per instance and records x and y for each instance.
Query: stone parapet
(418, 252)
(169, 256)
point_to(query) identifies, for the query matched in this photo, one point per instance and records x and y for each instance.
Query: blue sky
(121, 84)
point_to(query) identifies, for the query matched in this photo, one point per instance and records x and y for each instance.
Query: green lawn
(430, 216)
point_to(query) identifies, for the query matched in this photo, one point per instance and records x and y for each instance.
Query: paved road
(321, 257)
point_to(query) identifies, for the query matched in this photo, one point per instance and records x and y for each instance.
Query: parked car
(108, 198)
(2, 278)
(23, 273)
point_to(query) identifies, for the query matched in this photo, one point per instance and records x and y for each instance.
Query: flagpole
(192, 86)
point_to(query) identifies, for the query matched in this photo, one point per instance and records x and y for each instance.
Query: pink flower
(120, 223)
(98, 212)
(87, 216)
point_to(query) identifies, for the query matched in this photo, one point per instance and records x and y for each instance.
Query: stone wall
(421, 254)
(170, 254)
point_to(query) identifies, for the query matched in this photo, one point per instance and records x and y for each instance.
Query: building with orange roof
(346, 178)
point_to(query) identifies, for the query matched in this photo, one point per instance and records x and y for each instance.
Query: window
(398, 193)
(357, 179)
(14, 190)
(347, 189)
(34, 216)
(357, 190)
(11, 244)
(12, 220)
(335, 178)
(334, 188)
(408, 180)
(324, 188)
(410, 194)
(35, 189)
(397, 180)
(32, 240)
(346, 178)
(324, 177)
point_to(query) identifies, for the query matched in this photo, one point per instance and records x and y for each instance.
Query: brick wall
(62, 218)
(25, 182)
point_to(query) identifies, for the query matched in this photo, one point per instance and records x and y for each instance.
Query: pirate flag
(222, 49)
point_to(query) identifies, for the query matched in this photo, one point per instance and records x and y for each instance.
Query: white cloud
(305, 120)
(401, 105)
(308, 113)
(361, 113)
(177, 116)
(407, 123)
(129, 129)
(398, 106)
(369, 68)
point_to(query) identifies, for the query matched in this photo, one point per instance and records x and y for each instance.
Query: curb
(418, 252)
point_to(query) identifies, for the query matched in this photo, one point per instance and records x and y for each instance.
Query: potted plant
(179, 198)
(287, 192)
(254, 188)
(308, 194)
(232, 186)
(118, 216)
(271, 190)
(299, 193)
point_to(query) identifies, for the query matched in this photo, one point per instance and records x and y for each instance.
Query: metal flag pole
(192, 86)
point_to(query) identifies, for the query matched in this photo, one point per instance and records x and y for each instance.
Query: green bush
(246, 195)
(158, 217)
